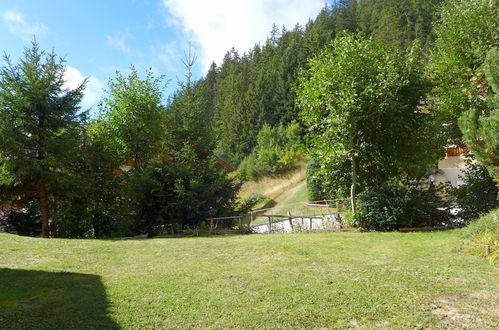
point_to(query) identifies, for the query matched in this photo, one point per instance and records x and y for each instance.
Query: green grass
(483, 236)
(287, 202)
(330, 280)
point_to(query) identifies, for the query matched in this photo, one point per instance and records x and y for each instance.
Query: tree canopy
(359, 103)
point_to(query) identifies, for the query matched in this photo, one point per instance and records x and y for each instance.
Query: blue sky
(99, 37)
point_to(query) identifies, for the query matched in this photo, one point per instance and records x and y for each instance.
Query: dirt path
(288, 197)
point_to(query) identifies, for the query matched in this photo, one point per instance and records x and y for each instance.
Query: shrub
(270, 150)
(390, 207)
(313, 183)
(24, 222)
(330, 182)
(72, 217)
(478, 194)
(180, 194)
(482, 233)
(247, 169)
(293, 137)
(278, 150)
(248, 203)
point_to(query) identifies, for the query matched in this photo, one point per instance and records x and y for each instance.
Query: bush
(478, 195)
(180, 194)
(391, 207)
(484, 232)
(72, 217)
(247, 169)
(313, 183)
(247, 204)
(24, 222)
(272, 151)
(331, 181)
(278, 150)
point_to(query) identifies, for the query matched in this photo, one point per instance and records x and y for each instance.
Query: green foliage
(277, 150)
(125, 136)
(247, 204)
(179, 194)
(247, 170)
(390, 207)
(483, 233)
(256, 88)
(465, 32)
(480, 124)
(360, 101)
(181, 186)
(398, 22)
(132, 116)
(24, 222)
(237, 126)
(191, 120)
(478, 195)
(313, 182)
(39, 129)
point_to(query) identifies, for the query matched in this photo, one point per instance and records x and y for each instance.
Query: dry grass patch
(273, 186)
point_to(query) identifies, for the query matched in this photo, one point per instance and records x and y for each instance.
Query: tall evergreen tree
(182, 185)
(39, 122)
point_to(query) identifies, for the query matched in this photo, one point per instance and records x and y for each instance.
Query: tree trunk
(44, 210)
(353, 160)
(42, 191)
(353, 188)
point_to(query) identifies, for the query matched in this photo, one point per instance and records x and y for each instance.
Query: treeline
(369, 92)
(141, 167)
(379, 88)
(258, 87)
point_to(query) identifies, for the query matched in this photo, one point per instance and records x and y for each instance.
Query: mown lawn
(332, 280)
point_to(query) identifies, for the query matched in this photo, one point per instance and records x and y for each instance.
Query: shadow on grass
(36, 299)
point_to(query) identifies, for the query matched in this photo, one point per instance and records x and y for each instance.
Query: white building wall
(451, 169)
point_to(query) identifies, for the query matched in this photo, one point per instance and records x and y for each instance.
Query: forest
(369, 94)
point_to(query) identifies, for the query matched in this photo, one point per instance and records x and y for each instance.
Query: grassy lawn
(332, 280)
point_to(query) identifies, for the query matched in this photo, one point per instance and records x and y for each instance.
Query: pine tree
(39, 122)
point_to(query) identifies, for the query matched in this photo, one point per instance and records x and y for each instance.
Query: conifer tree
(464, 76)
(39, 122)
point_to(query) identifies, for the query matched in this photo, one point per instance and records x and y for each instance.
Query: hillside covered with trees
(369, 93)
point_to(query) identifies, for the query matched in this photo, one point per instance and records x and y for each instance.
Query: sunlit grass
(332, 280)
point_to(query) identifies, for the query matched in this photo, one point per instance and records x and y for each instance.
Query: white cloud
(218, 25)
(168, 55)
(118, 43)
(17, 24)
(93, 90)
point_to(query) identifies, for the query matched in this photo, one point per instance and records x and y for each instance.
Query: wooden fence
(245, 221)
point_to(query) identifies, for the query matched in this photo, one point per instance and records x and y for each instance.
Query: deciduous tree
(359, 102)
